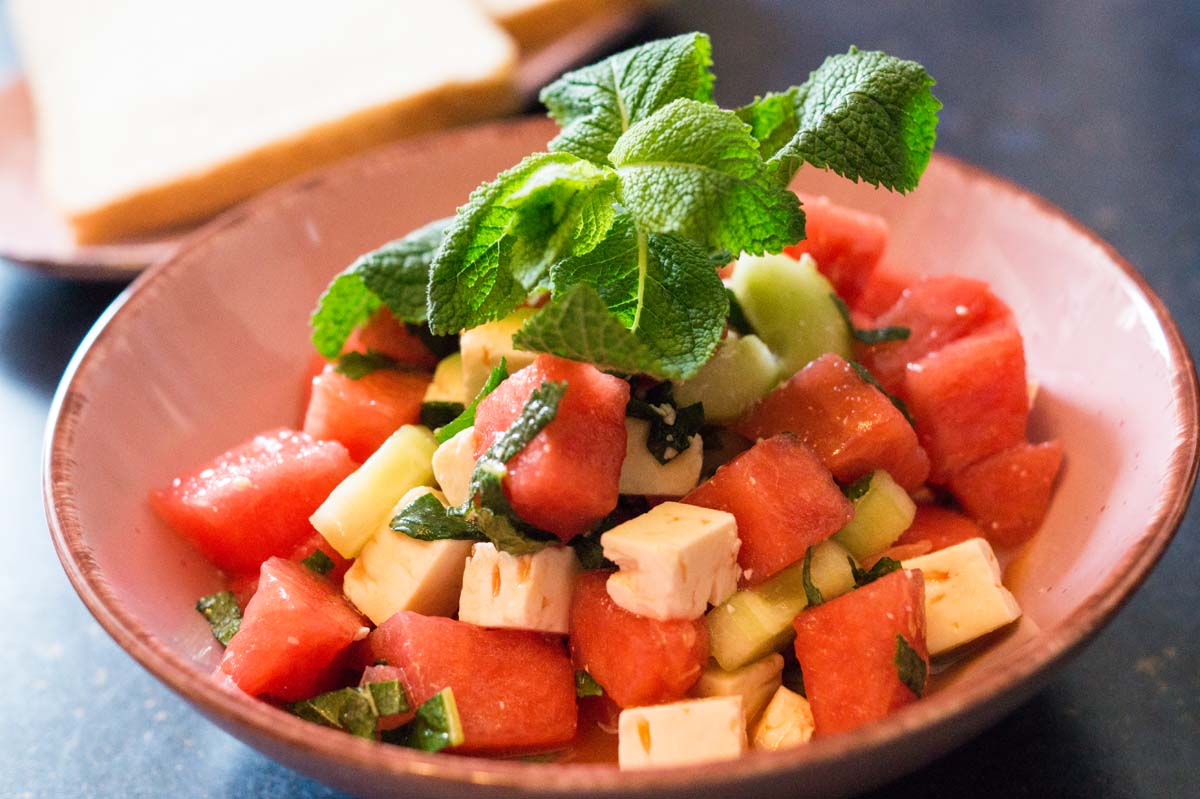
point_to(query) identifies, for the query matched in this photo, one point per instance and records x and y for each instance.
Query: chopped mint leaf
(590, 553)
(712, 188)
(355, 710)
(426, 519)
(586, 685)
(880, 568)
(357, 365)
(910, 666)
(865, 115)
(867, 377)
(501, 244)
(436, 726)
(223, 614)
(869, 335)
(467, 417)
(389, 697)
(811, 592)
(596, 104)
(395, 275)
(737, 320)
(318, 562)
(859, 488)
(440, 413)
(671, 427)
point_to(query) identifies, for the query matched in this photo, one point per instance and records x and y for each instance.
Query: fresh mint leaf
(811, 592)
(910, 666)
(865, 115)
(867, 377)
(596, 104)
(671, 427)
(737, 320)
(694, 170)
(465, 419)
(439, 413)
(773, 119)
(586, 685)
(357, 365)
(426, 519)
(501, 244)
(388, 696)
(859, 488)
(318, 562)
(875, 335)
(355, 710)
(223, 614)
(881, 567)
(436, 726)
(395, 275)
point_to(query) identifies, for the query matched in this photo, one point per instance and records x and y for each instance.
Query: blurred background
(1093, 105)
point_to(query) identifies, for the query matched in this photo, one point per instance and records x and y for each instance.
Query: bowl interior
(210, 348)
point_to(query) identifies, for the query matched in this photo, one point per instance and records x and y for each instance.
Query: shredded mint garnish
(440, 413)
(586, 685)
(436, 725)
(426, 519)
(811, 592)
(910, 666)
(867, 377)
(357, 365)
(737, 321)
(859, 488)
(467, 417)
(881, 567)
(671, 427)
(869, 335)
(590, 553)
(355, 710)
(318, 562)
(223, 614)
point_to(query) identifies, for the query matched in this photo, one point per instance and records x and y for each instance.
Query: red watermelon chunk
(514, 689)
(566, 479)
(940, 528)
(254, 501)
(637, 660)
(845, 243)
(851, 426)
(293, 633)
(1008, 493)
(362, 413)
(969, 400)
(244, 586)
(882, 291)
(847, 650)
(936, 311)
(784, 500)
(386, 335)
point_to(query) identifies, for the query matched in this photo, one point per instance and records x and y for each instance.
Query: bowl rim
(269, 723)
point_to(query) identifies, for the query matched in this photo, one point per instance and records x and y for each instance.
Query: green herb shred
(440, 413)
(880, 568)
(318, 562)
(466, 417)
(586, 685)
(223, 614)
(910, 666)
(811, 592)
(876, 335)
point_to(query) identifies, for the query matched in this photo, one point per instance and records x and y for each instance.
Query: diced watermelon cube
(851, 426)
(1008, 493)
(293, 632)
(847, 650)
(784, 500)
(936, 311)
(566, 479)
(940, 527)
(845, 243)
(515, 690)
(254, 501)
(384, 334)
(362, 413)
(969, 400)
(882, 291)
(637, 660)
(244, 586)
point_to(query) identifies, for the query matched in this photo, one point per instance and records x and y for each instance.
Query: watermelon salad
(575, 483)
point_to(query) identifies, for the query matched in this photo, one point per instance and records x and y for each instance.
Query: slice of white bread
(537, 23)
(153, 113)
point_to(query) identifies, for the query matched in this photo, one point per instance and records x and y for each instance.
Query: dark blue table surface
(1095, 105)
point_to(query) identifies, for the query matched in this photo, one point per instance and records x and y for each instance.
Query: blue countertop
(1094, 105)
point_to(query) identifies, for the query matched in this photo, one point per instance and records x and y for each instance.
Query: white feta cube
(521, 592)
(964, 598)
(755, 683)
(484, 346)
(641, 473)
(787, 721)
(681, 733)
(394, 572)
(453, 463)
(673, 561)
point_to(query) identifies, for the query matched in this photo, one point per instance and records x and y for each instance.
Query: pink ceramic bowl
(208, 348)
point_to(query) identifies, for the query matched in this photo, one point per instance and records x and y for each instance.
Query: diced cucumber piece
(758, 620)
(740, 372)
(881, 515)
(363, 502)
(482, 348)
(788, 302)
(447, 384)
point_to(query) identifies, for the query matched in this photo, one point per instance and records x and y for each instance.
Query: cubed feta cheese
(522, 592)
(755, 683)
(787, 721)
(482, 348)
(682, 733)
(452, 466)
(394, 572)
(447, 383)
(964, 598)
(673, 561)
(641, 473)
(356, 508)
